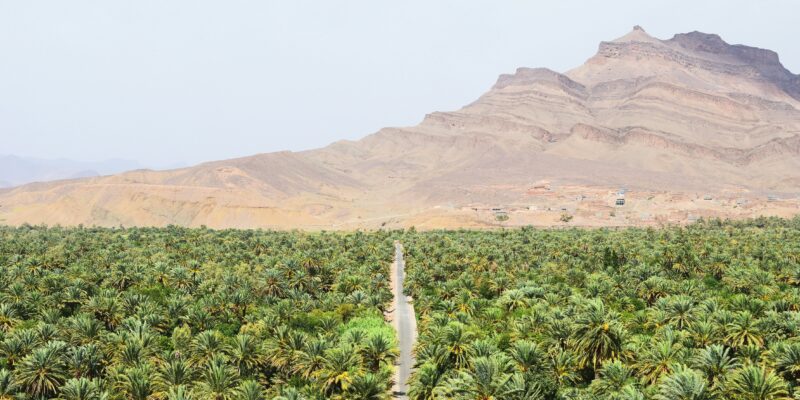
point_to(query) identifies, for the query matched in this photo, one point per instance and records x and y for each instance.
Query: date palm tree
(703, 333)
(488, 378)
(82, 389)
(377, 351)
(291, 393)
(683, 383)
(743, 331)
(218, 380)
(106, 307)
(85, 361)
(680, 312)
(173, 373)
(613, 378)
(716, 363)
(755, 382)
(8, 317)
(659, 358)
(249, 390)
(425, 382)
(137, 382)
(179, 393)
(8, 387)
(513, 300)
(786, 360)
(527, 356)
(563, 368)
(207, 345)
(84, 329)
(653, 289)
(246, 354)
(43, 372)
(285, 349)
(311, 358)
(456, 340)
(598, 336)
(12, 349)
(342, 365)
(368, 386)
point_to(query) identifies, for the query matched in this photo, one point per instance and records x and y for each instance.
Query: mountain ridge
(667, 118)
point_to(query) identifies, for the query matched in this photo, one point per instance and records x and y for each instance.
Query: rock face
(692, 113)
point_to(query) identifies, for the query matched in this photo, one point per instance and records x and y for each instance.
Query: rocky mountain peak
(711, 44)
(701, 42)
(684, 59)
(638, 34)
(759, 63)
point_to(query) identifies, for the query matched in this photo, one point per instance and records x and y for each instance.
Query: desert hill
(691, 126)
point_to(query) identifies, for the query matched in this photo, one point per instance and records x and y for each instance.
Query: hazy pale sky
(166, 81)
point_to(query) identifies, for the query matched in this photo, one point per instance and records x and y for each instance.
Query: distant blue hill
(15, 170)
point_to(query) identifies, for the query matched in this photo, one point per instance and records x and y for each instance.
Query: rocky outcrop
(755, 62)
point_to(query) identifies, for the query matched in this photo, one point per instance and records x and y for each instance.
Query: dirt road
(405, 323)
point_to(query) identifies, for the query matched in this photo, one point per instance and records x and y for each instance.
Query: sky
(184, 81)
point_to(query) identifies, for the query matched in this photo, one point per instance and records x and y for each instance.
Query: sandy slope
(673, 120)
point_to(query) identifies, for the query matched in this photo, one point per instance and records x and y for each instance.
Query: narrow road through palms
(405, 322)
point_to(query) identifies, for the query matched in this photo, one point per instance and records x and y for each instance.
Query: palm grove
(711, 311)
(193, 314)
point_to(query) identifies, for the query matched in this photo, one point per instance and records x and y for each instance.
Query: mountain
(15, 170)
(690, 127)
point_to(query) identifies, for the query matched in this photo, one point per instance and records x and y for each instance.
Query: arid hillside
(690, 127)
